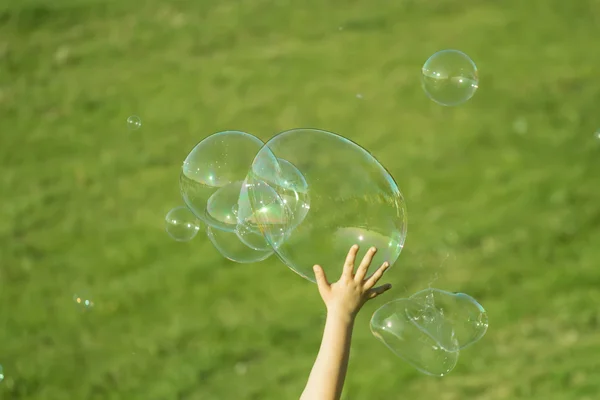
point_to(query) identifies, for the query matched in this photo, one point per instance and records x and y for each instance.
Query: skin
(343, 300)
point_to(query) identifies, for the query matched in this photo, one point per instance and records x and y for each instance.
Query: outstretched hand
(352, 290)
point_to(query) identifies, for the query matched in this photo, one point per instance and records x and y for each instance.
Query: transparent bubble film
(306, 195)
(450, 77)
(429, 329)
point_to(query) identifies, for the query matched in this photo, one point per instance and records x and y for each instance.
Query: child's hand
(352, 291)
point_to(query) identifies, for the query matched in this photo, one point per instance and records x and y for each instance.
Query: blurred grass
(502, 192)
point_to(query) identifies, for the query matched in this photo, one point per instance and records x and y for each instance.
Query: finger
(349, 263)
(322, 282)
(376, 276)
(379, 290)
(364, 265)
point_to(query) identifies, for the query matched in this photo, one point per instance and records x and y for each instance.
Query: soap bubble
(462, 312)
(1, 373)
(181, 224)
(331, 194)
(271, 209)
(83, 300)
(229, 245)
(222, 210)
(134, 122)
(222, 206)
(393, 326)
(450, 77)
(217, 161)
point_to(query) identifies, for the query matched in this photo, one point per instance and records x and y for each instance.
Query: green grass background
(502, 192)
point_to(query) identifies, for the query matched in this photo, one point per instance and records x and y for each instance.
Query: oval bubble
(181, 224)
(216, 161)
(450, 77)
(347, 195)
(468, 319)
(230, 247)
(291, 186)
(394, 328)
(222, 207)
(271, 210)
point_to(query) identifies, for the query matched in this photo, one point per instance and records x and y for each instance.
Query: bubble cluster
(450, 77)
(134, 122)
(306, 195)
(429, 329)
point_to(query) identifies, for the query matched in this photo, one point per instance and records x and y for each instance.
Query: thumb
(322, 282)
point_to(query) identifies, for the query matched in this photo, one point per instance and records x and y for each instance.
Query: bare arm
(343, 299)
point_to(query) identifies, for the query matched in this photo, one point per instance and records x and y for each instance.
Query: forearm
(326, 379)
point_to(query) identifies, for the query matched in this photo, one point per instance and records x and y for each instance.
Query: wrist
(341, 316)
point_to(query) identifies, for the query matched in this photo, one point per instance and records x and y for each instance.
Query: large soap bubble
(212, 186)
(217, 161)
(330, 193)
(462, 312)
(393, 326)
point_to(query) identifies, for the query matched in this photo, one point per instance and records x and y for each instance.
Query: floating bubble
(222, 207)
(336, 195)
(229, 245)
(181, 224)
(134, 122)
(83, 300)
(392, 325)
(1, 373)
(272, 210)
(215, 162)
(450, 77)
(466, 317)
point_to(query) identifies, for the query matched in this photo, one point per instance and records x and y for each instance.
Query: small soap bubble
(359, 96)
(597, 134)
(181, 224)
(450, 77)
(83, 300)
(134, 122)
(1, 373)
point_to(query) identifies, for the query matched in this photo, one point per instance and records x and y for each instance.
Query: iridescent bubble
(222, 207)
(217, 161)
(273, 212)
(392, 325)
(83, 300)
(134, 122)
(181, 224)
(223, 210)
(231, 247)
(450, 77)
(336, 195)
(466, 317)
